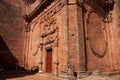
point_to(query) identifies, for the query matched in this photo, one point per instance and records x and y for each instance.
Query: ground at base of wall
(96, 77)
(38, 76)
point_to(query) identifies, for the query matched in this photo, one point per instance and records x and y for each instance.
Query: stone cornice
(28, 18)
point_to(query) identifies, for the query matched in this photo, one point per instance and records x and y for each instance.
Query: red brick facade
(80, 33)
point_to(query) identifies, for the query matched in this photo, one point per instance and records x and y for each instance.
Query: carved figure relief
(96, 38)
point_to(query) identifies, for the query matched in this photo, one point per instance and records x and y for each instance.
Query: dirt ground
(31, 76)
(38, 76)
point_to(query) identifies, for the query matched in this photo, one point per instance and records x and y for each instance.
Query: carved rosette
(96, 37)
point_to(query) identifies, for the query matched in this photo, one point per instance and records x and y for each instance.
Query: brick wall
(36, 55)
(116, 31)
(110, 61)
(11, 28)
(71, 29)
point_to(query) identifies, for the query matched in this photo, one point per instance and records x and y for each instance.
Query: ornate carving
(53, 11)
(50, 27)
(50, 39)
(50, 30)
(96, 38)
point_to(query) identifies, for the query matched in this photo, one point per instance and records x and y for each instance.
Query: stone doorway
(49, 60)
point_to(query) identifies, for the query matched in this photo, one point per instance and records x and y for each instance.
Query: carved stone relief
(53, 11)
(96, 37)
(49, 27)
(49, 31)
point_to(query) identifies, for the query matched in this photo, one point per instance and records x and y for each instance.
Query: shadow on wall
(9, 64)
(7, 60)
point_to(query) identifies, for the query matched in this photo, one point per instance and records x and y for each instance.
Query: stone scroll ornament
(96, 37)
